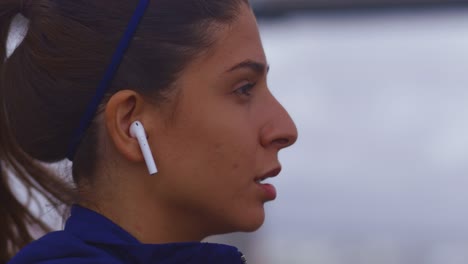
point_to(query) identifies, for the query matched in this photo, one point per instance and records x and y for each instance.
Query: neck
(135, 206)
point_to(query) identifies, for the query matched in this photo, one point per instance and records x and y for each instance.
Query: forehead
(237, 42)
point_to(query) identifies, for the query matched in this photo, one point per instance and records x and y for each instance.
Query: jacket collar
(93, 228)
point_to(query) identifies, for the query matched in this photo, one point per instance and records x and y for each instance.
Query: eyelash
(245, 90)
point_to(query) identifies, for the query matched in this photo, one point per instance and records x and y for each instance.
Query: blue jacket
(90, 238)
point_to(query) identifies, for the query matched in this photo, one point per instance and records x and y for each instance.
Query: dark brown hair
(48, 81)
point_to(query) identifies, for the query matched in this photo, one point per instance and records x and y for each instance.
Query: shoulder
(59, 248)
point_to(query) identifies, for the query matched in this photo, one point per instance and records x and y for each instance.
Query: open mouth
(261, 180)
(272, 173)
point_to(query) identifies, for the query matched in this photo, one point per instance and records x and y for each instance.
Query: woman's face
(224, 133)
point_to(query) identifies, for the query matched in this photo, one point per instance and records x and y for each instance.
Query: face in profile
(223, 135)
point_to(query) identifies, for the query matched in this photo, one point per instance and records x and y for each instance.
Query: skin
(220, 131)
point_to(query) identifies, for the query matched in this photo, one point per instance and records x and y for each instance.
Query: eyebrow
(255, 66)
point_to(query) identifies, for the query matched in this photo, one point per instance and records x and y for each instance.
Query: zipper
(243, 258)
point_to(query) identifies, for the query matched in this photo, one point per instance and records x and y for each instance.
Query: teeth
(260, 180)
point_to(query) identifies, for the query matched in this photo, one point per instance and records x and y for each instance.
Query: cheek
(213, 142)
(218, 160)
(211, 163)
(232, 164)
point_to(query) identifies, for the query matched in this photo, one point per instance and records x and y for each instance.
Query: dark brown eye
(245, 90)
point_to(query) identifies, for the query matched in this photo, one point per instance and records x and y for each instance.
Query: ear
(123, 108)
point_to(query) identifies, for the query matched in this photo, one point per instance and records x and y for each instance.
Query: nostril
(278, 136)
(282, 142)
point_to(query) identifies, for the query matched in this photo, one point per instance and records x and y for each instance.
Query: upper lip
(271, 173)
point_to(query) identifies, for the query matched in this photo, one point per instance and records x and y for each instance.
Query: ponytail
(17, 222)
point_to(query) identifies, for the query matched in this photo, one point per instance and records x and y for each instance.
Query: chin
(244, 221)
(251, 228)
(252, 222)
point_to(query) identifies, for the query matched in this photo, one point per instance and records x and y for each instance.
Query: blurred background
(379, 92)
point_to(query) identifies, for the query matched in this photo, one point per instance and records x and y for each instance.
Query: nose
(279, 131)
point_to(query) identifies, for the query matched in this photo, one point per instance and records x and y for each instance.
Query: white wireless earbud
(138, 131)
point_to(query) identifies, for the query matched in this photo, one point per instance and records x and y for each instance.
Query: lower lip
(269, 191)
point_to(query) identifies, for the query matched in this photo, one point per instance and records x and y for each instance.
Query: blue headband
(108, 77)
